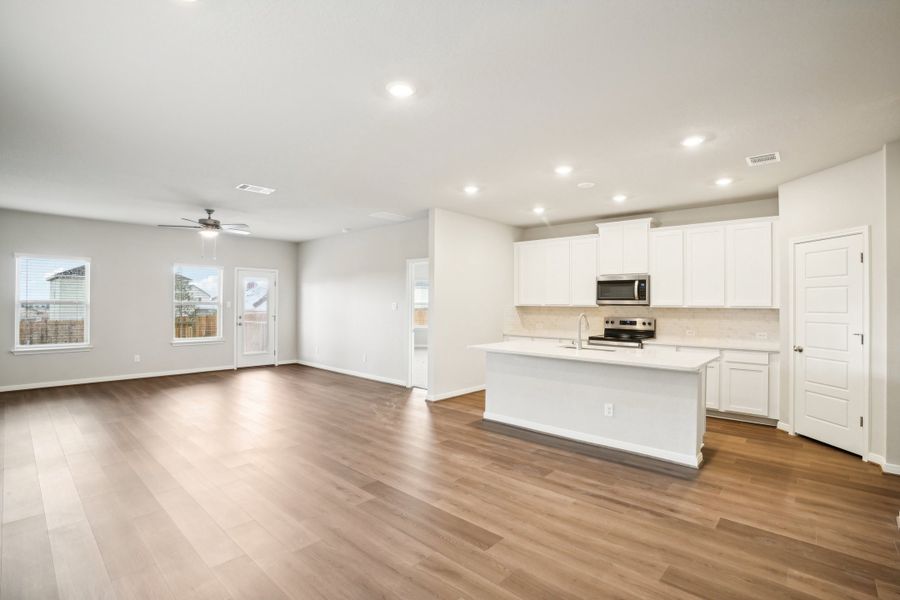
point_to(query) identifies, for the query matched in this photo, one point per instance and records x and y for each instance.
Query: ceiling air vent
(763, 159)
(386, 216)
(256, 189)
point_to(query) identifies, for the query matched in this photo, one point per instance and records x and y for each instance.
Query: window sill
(198, 342)
(51, 349)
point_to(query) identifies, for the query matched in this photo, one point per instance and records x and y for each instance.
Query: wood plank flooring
(295, 483)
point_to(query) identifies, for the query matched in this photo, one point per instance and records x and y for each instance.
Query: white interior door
(256, 299)
(829, 365)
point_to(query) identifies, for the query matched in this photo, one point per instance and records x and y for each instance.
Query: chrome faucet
(582, 318)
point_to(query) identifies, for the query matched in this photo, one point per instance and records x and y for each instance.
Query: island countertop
(647, 358)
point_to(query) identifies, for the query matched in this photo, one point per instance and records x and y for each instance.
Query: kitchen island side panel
(656, 412)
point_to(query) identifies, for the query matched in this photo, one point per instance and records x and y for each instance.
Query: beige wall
(845, 196)
(131, 291)
(471, 287)
(892, 241)
(703, 214)
(348, 285)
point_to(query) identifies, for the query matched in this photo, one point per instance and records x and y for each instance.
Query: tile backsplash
(713, 323)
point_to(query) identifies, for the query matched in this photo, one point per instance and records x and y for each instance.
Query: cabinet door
(635, 240)
(745, 388)
(667, 268)
(609, 250)
(557, 273)
(530, 263)
(748, 254)
(712, 385)
(705, 266)
(584, 271)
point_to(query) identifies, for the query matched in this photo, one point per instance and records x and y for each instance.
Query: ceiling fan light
(209, 233)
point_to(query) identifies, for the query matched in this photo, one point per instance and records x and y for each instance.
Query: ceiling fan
(210, 228)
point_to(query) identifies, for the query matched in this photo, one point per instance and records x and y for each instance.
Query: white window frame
(219, 301)
(18, 348)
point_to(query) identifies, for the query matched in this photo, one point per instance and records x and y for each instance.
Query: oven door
(623, 289)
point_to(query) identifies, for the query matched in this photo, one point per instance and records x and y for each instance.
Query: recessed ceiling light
(256, 189)
(723, 181)
(620, 197)
(400, 89)
(538, 210)
(693, 140)
(471, 190)
(563, 170)
(586, 185)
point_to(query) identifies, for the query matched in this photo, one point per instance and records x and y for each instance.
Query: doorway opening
(418, 297)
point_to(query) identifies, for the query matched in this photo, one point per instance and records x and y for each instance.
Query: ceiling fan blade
(181, 226)
(190, 220)
(236, 231)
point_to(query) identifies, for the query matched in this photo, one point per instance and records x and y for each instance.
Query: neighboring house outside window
(52, 303)
(197, 303)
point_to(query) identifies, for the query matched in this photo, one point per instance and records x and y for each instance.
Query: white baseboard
(460, 392)
(875, 458)
(786, 427)
(101, 379)
(359, 374)
(886, 467)
(687, 460)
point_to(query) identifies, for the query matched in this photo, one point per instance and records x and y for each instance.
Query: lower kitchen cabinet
(712, 385)
(745, 383)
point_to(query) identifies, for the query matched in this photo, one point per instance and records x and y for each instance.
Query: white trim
(867, 252)
(875, 458)
(890, 468)
(274, 315)
(51, 349)
(674, 457)
(104, 378)
(785, 427)
(198, 341)
(410, 308)
(454, 393)
(351, 373)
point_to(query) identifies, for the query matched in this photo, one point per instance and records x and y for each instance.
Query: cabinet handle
(798, 348)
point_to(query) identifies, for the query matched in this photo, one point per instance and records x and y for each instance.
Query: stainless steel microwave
(631, 289)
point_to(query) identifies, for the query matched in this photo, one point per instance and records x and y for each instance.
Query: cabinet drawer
(742, 356)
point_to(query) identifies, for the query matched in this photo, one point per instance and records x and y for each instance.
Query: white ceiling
(148, 110)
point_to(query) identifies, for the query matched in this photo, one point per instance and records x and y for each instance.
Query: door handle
(240, 321)
(862, 337)
(798, 348)
(636, 283)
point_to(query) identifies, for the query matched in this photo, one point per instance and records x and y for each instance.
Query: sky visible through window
(205, 278)
(35, 272)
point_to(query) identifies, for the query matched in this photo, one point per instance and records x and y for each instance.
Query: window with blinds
(197, 303)
(52, 302)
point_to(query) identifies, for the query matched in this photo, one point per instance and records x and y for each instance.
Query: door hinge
(860, 421)
(860, 257)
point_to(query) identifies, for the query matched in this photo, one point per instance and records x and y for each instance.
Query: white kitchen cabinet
(704, 265)
(667, 267)
(745, 383)
(713, 379)
(622, 247)
(543, 273)
(583, 252)
(748, 264)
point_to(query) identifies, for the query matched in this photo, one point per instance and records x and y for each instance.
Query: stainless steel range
(629, 332)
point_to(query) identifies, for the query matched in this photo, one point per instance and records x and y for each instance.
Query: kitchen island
(647, 401)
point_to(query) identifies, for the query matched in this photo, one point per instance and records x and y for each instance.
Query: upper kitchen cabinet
(622, 247)
(583, 255)
(667, 267)
(543, 273)
(748, 262)
(714, 264)
(704, 266)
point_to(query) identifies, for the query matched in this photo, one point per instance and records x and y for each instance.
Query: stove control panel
(640, 324)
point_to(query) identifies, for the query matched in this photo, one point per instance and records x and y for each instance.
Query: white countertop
(648, 358)
(693, 342)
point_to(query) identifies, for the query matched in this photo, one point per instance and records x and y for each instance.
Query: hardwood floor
(299, 483)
